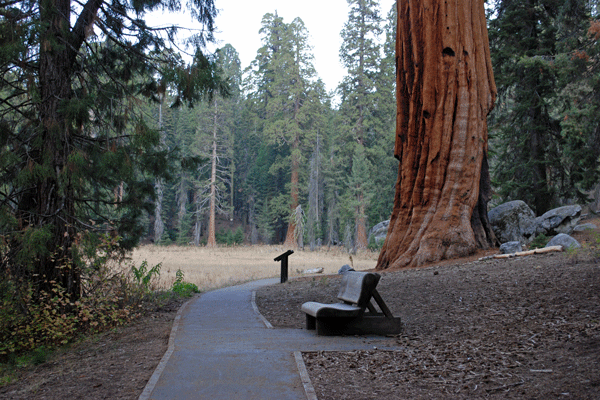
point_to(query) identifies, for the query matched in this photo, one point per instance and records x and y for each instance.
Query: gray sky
(238, 23)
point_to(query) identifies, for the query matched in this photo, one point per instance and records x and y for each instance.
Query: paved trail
(221, 349)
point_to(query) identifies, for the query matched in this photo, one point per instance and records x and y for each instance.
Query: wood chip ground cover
(525, 328)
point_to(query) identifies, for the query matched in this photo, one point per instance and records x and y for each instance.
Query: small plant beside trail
(181, 288)
(114, 292)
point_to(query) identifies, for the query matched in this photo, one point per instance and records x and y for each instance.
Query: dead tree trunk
(290, 239)
(212, 242)
(445, 90)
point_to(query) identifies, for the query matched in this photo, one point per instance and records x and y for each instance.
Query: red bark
(445, 90)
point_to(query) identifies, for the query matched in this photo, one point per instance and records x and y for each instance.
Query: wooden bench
(355, 315)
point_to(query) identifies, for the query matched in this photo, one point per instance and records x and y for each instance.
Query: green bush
(238, 237)
(540, 241)
(374, 245)
(111, 296)
(181, 288)
(229, 237)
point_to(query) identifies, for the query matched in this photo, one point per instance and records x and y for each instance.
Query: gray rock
(564, 240)
(379, 232)
(585, 227)
(513, 221)
(511, 247)
(559, 220)
(345, 268)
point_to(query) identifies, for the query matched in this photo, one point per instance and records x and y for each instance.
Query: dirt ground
(522, 328)
(113, 365)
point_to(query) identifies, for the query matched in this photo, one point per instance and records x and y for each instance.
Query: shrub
(229, 237)
(374, 245)
(110, 297)
(238, 237)
(181, 288)
(540, 241)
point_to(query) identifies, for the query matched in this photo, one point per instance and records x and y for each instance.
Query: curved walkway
(221, 348)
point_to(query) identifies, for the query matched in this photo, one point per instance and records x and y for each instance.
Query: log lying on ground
(313, 271)
(525, 253)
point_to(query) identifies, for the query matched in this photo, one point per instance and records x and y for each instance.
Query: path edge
(165, 359)
(256, 310)
(308, 387)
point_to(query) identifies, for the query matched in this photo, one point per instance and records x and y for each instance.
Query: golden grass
(211, 268)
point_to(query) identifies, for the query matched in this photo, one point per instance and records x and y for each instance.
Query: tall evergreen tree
(384, 127)
(445, 89)
(361, 55)
(70, 131)
(522, 38)
(546, 127)
(287, 96)
(215, 135)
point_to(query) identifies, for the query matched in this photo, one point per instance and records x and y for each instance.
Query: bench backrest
(356, 287)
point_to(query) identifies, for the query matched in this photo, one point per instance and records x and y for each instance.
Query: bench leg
(311, 322)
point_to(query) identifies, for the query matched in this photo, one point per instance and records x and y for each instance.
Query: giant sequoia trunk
(445, 90)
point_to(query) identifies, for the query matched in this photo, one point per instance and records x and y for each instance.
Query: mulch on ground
(521, 328)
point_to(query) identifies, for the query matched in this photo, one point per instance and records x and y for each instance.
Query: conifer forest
(283, 156)
(107, 131)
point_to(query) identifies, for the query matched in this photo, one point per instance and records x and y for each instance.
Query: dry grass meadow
(211, 268)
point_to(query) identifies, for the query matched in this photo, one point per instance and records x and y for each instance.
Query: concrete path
(221, 348)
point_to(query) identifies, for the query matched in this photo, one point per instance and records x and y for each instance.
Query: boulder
(513, 221)
(511, 247)
(585, 227)
(564, 240)
(559, 220)
(379, 232)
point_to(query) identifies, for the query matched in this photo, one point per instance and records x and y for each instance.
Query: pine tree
(578, 99)
(522, 38)
(384, 128)
(545, 129)
(215, 131)
(361, 55)
(71, 131)
(287, 99)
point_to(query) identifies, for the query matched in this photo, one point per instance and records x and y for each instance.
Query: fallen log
(530, 252)
(313, 271)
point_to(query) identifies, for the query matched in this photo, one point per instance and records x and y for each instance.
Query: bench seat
(339, 310)
(350, 316)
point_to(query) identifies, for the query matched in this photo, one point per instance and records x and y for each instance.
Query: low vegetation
(210, 268)
(115, 292)
(118, 288)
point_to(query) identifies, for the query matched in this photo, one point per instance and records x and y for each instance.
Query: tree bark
(361, 224)
(49, 203)
(290, 239)
(159, 226)
(445, 90)
(212, 242)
